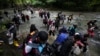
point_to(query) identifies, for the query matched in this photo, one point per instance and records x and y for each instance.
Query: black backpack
(48, 51)
(63, 49)
(66, 47)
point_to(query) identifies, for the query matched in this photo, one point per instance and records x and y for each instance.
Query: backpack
(62, 38)
(77, 50)
(48, 51)
(32, 36)
(66, 47)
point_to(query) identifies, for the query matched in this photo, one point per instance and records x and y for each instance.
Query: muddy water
(80, 20)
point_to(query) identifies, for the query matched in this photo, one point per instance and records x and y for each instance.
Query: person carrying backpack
(23, 17)
(78, 45)
(48, 14)
(38, 46)
(41, 13)
(49, 23)
(66, 48)
(92, 23)
(27, 17)
(57, 23)
(61, 38)
(84, 41)
(45, 21)
(91, 32)
(33, 32)
(11, 33)
(52, 30)
(72, 30)
(70, 18)
(16, 20)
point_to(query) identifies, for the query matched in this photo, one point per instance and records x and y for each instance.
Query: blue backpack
(62, 37)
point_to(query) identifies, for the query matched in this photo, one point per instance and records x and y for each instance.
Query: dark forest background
(72, 5)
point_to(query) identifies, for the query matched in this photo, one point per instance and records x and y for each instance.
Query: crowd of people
(67, 43)
(18, 18)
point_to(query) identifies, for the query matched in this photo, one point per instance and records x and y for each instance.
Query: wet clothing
(48, 15)
(16, 19)
(61, 38)
(45, 21)
(27, 17)
(23, 18)
(91, 32)
(72, 31)
(11, 33)
(57, 23)
(41, 14)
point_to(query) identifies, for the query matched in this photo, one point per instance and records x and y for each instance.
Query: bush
(2, 25)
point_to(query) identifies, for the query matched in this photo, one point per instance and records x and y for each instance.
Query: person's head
(33, 28)
(75, 26)
(77, 37)
(42, 36)
(94, 21)
(77, 33)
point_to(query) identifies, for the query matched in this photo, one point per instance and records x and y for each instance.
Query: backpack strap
(33, 45)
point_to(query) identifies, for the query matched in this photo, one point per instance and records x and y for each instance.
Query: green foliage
(2, 24)
(82, 5)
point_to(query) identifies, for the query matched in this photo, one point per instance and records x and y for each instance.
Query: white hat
(77, 34)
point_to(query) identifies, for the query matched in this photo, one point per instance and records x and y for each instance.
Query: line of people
(13, 26)
(65, 44)
(53, 25)
(68, 42)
